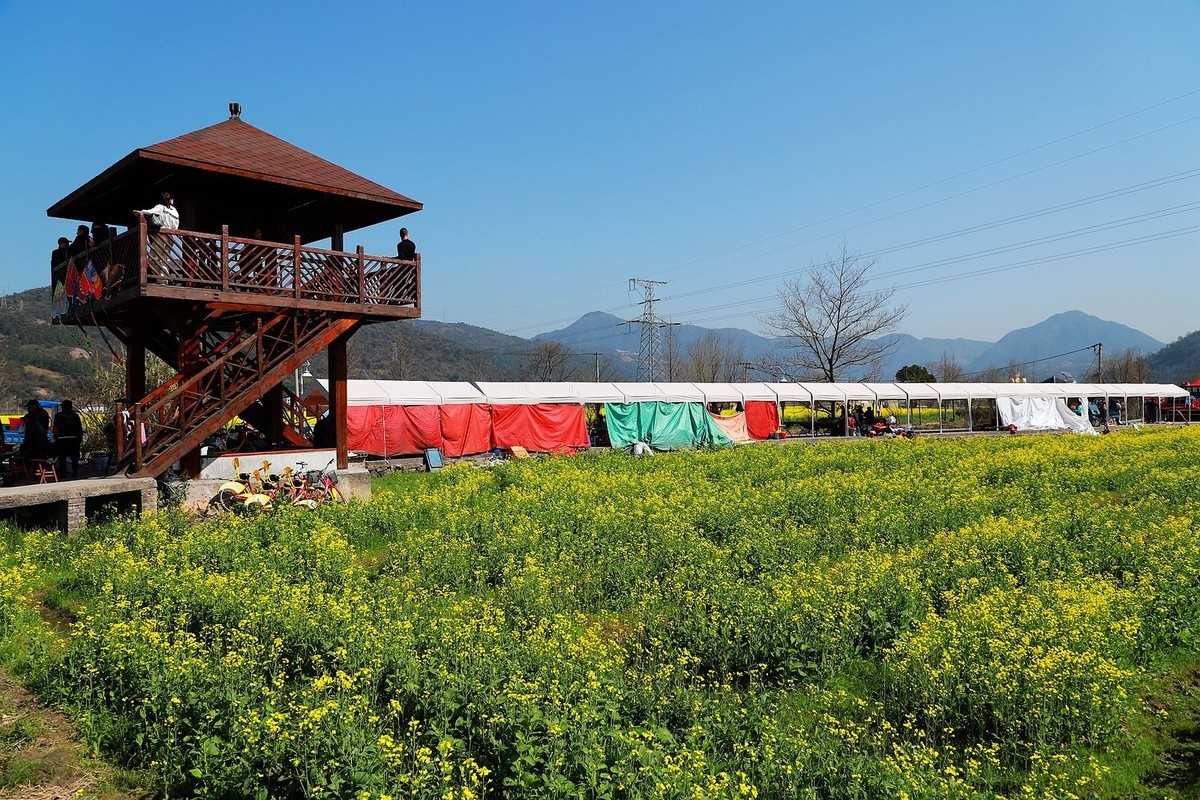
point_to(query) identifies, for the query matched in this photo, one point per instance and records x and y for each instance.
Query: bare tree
(400, 356)
(828, 322)
(672, 358)
(94, 393)
(547, 360)
(602, 367)
(948, 369)
(712, 359)
(1129, 366)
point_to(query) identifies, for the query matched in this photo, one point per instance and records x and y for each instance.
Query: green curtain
(663, 426)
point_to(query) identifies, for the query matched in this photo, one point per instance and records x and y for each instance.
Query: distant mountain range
(1049, 343)
(1062, 334)
(52, 361)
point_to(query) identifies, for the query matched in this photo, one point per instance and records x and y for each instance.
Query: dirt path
(39, 756)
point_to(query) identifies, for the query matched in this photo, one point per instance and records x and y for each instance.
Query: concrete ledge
(69, 504)
(355, 482)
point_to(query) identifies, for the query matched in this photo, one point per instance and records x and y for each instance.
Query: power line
(921, 188)
(975, 255)
(1037, 360)
(963, 231)
(1072, 204)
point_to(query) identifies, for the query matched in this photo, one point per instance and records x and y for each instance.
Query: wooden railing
(189, 260)
(233, 376)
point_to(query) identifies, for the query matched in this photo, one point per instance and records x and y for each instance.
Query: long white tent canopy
(413, 393)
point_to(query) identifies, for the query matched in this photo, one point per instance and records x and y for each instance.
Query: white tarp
(1041, 414)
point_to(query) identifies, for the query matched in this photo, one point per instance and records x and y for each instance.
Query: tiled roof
(239, 148)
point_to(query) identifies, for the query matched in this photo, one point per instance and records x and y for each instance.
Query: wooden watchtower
(234, 313)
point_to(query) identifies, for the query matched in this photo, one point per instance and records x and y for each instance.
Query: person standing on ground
(35, 446)
(406, 249)
(68, 434)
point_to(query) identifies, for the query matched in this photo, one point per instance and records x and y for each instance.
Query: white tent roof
(406, 393)
(599, 393)
(681, 392)
(827, 392)
(516, 393)
(755, 391)
(886, 391)
(455, 393)
(416, 393)
(720, 392)
(919, 391)
(791, 392)
(957, 391)
(639, 392)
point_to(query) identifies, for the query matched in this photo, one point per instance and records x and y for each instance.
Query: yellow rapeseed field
(956, 618)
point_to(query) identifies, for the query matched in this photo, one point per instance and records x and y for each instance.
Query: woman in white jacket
(164, 215)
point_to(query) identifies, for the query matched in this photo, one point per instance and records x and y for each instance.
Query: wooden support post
(143, 251)
(358, 251)
(337, 397)
(273, 400)
(417, 287)
(135, 363)
(296, 267)
(192, 463)
(338, 237)
(225, 258)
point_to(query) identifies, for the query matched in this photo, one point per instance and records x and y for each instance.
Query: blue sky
(561, 149)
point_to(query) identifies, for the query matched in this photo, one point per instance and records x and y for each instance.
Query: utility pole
(1100, 362)
(745, 365)
(649, 363)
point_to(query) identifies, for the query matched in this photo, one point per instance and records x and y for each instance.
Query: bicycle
(315, 487)
(241, 494)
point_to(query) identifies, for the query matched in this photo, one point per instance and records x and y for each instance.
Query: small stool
(44, 470)
(18, 468)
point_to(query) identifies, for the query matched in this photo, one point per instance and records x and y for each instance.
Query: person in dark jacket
(35, 444)
(68, 434)
(406, 249)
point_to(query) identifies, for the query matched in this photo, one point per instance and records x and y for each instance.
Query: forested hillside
(1179, 361)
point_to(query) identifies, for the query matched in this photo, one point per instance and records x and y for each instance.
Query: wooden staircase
(227, 365)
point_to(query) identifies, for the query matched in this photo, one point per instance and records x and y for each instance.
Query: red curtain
(392, 430)
(542, 428)
(466, 429)
(762, 418)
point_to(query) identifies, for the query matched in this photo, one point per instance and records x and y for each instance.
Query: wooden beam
(135, 363)
(337, 398)
(273, 401)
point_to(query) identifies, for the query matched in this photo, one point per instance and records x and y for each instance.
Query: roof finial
(235, 110)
